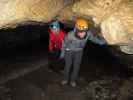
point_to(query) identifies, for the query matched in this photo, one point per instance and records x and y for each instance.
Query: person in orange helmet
(72, 49)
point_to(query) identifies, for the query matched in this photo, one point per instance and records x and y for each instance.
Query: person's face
(55, 30)
(81, 34)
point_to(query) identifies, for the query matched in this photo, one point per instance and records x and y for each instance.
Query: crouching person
(56, 36)
(73, 46)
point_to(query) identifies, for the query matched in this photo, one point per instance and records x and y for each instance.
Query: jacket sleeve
(96, 39)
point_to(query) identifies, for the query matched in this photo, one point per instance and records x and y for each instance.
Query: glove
(62, 54)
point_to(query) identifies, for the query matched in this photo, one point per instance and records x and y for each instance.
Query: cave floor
(102, 77)
(44, 84)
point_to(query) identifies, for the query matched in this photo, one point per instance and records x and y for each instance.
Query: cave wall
(115, 17)
(14, 12)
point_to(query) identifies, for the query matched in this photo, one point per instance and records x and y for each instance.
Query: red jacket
(55, 41)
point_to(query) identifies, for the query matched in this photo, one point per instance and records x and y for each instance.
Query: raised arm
(96, 39)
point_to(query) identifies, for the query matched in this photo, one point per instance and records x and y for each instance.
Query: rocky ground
(45, 85)
(102, 77)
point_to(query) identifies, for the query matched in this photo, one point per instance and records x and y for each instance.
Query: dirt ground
(102, 77)
(45, 85)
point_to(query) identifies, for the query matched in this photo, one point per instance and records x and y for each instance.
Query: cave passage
(26, 47)
(29, 43)
(22, 48)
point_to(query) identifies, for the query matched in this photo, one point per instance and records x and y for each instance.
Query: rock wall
(115, 17)
(18, 11)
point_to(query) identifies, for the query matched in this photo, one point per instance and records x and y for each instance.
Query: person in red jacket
(56, 36)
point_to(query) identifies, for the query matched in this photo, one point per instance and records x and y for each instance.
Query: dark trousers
(54, 54)
(72, 59)
(53, 59)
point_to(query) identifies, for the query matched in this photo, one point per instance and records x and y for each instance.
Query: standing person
(73, 46)
(56, 36)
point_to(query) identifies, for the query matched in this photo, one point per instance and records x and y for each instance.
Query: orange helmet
(81, 24)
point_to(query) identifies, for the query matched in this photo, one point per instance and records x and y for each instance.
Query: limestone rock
(66, 15)
(115, 17)
(18, 11)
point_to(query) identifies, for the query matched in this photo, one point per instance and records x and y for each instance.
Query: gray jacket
(73, 43)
